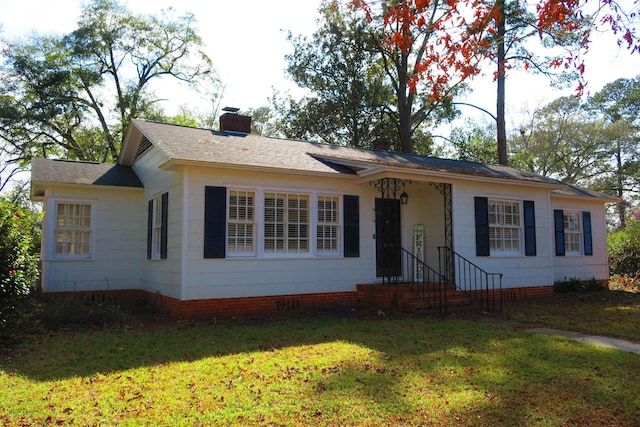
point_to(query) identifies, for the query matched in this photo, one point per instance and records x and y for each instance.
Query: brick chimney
(235, 123)
(381, 144)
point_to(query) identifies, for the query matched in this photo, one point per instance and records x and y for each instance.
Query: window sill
(279, 257)
(70, 259)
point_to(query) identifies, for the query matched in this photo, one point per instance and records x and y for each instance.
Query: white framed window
(328, 226)
(74, 229)
(505, 227)
(241, 223)
(572, 233)
(286, 223)
(157, 227)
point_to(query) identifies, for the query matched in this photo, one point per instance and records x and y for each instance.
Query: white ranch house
(225, 222)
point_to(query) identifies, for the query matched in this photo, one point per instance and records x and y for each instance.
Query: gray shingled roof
(202, 145)
(78, 172)
(574, 191)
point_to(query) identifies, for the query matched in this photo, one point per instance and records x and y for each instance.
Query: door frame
(388, 248)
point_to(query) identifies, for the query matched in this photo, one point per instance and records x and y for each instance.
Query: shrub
(625, 284)
(576, 285)
(564, 286)
(19, 247)
(624, 250)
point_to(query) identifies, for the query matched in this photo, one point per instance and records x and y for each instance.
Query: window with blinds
(505, 229)
(286, 223)
(254, 223)
(328, 228)
(241, 223)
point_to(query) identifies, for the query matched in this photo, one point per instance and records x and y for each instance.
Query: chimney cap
(232, 110)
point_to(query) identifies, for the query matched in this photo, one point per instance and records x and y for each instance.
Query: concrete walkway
(601, 341)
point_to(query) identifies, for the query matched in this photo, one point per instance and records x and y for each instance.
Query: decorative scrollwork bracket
(390, 188)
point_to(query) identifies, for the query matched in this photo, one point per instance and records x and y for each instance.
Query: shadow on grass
(473, 373)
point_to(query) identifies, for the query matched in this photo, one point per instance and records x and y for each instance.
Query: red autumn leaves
(460, 33)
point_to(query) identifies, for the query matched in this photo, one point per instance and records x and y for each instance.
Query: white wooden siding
(119, 243)
(258, 276)
(518, 271)
(121, 233)
(162, 276)
(581, 266)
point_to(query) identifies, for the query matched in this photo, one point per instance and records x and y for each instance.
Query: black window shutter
(351, 213)
(482, 226)
(215, 222)
(586, 227)
(149, 228)
(164, 225)
(529, 228)
(558, 220)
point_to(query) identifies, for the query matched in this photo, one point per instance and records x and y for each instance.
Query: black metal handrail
(424, 282)
(481, 286)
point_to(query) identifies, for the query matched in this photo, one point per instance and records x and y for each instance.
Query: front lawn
(317, 370)
(611, 313)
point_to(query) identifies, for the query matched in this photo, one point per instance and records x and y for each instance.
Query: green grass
(611, 313)
(318, 370)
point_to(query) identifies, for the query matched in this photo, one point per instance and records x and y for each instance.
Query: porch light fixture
(404, 198)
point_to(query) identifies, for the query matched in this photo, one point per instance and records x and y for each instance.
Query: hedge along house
(225, 222)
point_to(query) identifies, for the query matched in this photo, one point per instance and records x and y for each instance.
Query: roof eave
(604, 198)
(38, 188)
(449, 177)
(172, 164)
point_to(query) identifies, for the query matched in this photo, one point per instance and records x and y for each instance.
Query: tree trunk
(500, 119)
(622, 204)
(404, 129)
(405, 99)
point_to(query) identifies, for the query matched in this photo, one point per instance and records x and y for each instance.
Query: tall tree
(345, 79)
(501, 77)
(74, 95)
(361, 82)
(619, 102)
(474, 142)
(417, 102)
(467, 27)
(565, 141)
(264, 122)
(513, 27)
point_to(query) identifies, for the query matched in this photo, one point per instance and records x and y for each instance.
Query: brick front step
(401, 297)
(454, 300)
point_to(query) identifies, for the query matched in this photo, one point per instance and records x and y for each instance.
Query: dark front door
(388, 249)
